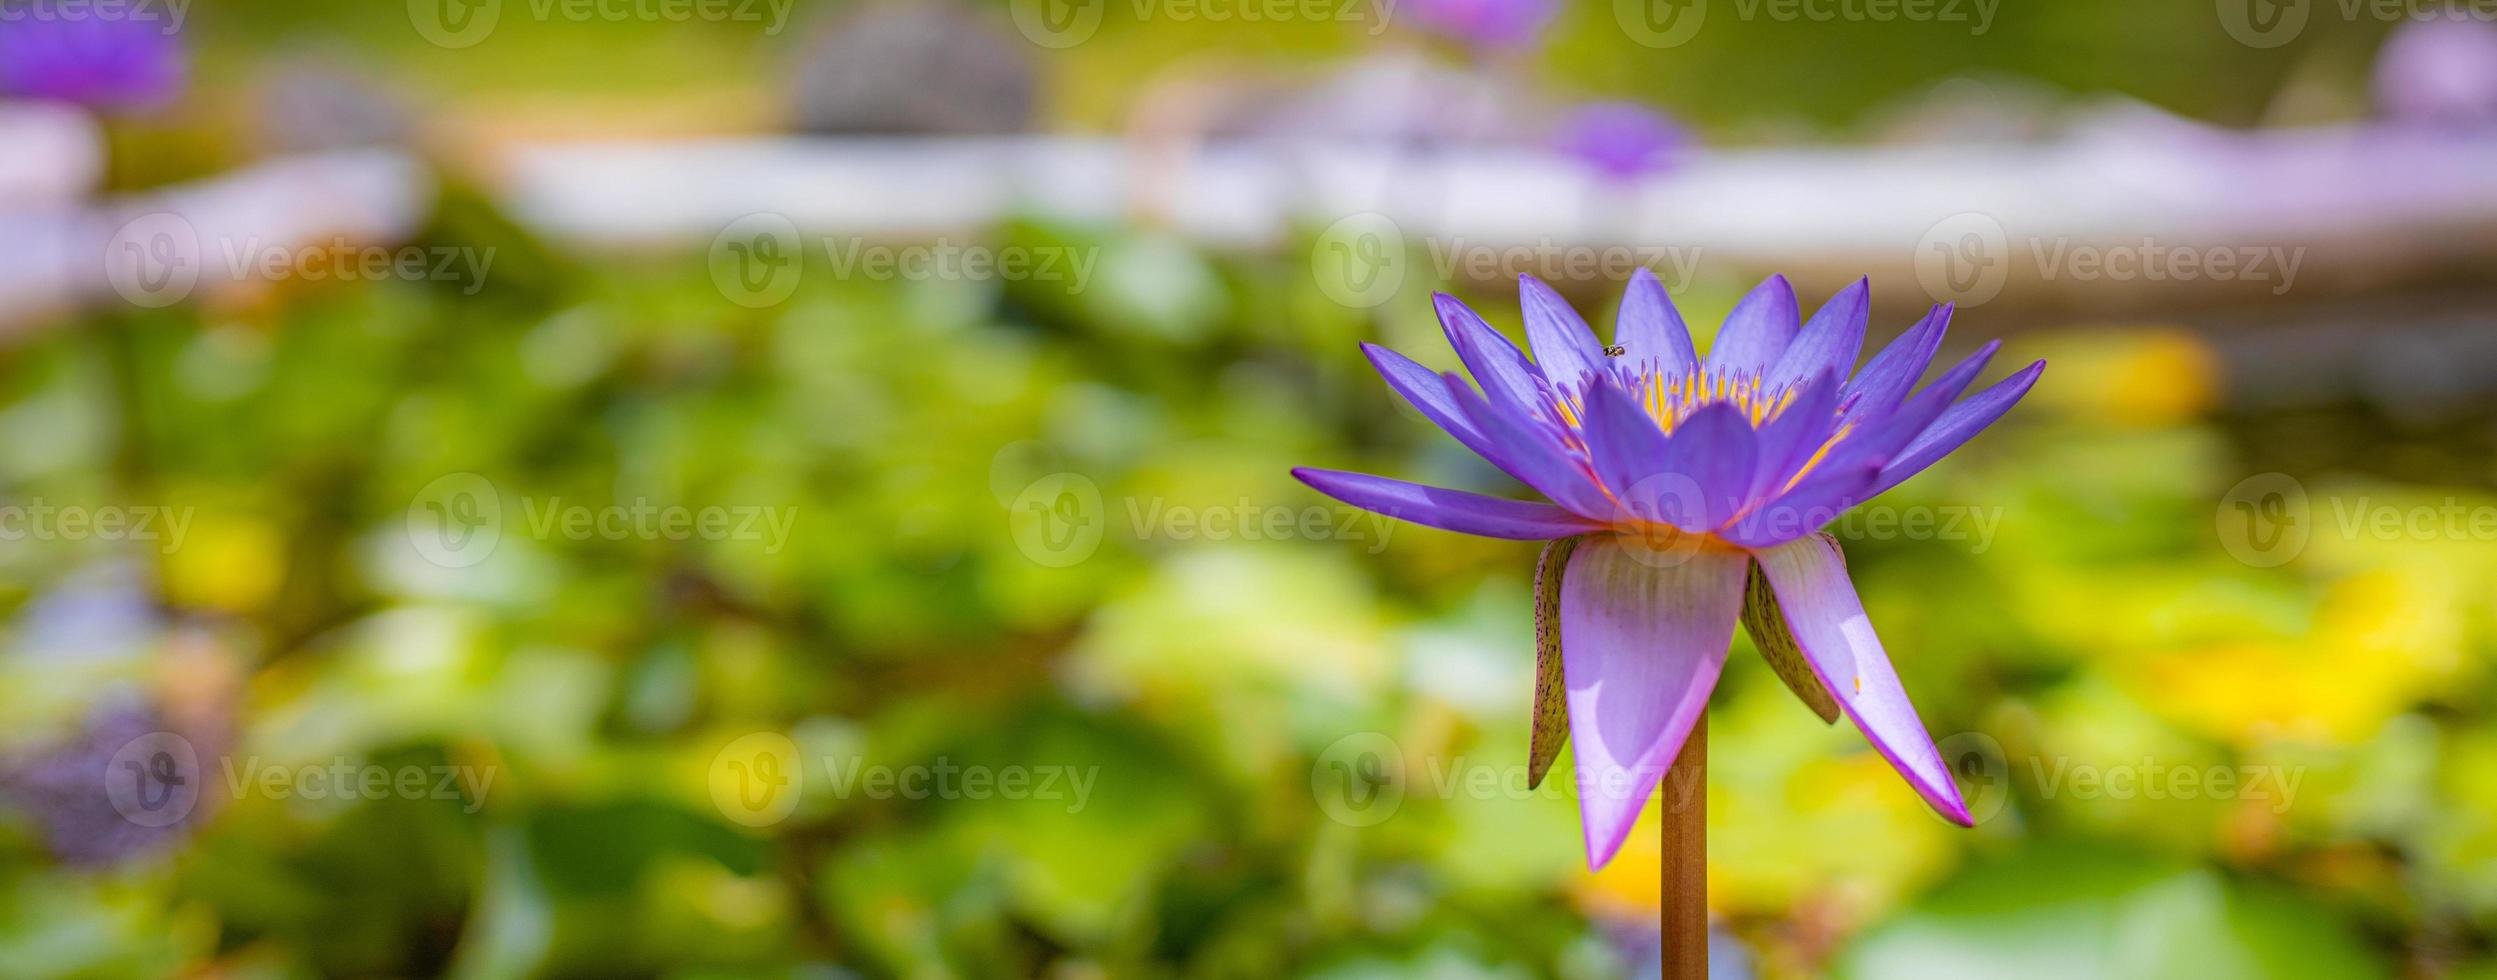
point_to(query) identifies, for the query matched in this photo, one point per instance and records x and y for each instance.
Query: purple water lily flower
(1680, 473)
(1623, 140)
(2440, 70)
(120, 61)
(1484, 24)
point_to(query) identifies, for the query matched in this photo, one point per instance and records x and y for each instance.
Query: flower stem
(1685, 863)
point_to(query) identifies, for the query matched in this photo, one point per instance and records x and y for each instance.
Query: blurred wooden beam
(2114, 210)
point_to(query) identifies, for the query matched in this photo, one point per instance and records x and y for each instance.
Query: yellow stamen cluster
(1670, 400)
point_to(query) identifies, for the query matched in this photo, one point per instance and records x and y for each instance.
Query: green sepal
(1767, 626)
(1551, 693)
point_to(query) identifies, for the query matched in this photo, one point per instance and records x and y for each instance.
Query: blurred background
(786, 488)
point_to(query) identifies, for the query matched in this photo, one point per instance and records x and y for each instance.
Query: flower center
(1671, 399)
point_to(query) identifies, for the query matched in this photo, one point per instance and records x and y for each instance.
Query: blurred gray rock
(915, 68)
(315, 103)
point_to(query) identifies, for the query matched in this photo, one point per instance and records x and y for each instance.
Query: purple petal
(1708, 467)
(1888, 376)
(1810, 578)
(1564, 346)
(1531, 451)
(1830, 340)
(1887, 436)
(1421, 388)
(1809, 507)
(1650, 330)
(1629, 450)
(1643, 637)
(1957, 424)
(1799, 431)
(1448, 510)
(1758, 330)
(1496, 364)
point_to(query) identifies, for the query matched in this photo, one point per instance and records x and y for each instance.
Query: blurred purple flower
(65, 787)
(1681, 480)
(1623, 140)
(2441, 69)
(1485, 24)
(108, 60)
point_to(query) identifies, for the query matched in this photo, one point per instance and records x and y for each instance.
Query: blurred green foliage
(1292, 754)
(1202, 699)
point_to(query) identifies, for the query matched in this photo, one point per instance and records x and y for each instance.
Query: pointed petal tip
(1606, 827)
(1945, 800)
